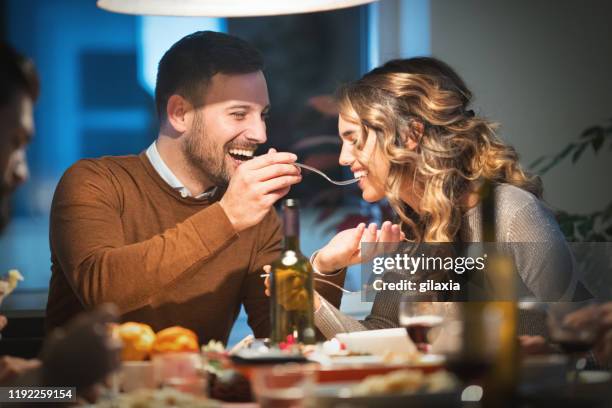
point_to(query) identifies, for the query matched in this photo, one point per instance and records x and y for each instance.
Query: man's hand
(599, 316)
(533, 345)
(83, 353)
(255, 187)
(3, 322)
(12, 367)
(345, 248)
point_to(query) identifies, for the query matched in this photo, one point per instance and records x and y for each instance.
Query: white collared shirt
(169, 177)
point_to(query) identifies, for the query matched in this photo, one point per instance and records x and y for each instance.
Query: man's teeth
(361, 173)
(242, 152)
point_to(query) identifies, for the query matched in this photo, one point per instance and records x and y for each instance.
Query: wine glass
(573, 326)
(421, 314)
(289, 385)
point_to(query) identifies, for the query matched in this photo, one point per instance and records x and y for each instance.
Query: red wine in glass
(575, 347)
(574, 343)
(418, 328)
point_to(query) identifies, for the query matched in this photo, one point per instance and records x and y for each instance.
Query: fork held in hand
(320, 173)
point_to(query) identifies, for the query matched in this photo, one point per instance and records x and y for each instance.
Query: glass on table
(183, 371)
(421, 315)
(285, 386)
(574, 327)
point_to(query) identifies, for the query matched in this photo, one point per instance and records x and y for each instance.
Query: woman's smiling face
(367, 162)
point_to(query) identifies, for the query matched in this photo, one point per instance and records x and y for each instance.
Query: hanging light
(224, 8)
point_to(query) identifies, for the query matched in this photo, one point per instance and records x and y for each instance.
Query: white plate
(591, 377)
(377, 342)
(356, 360)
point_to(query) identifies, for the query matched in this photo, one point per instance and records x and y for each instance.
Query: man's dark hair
(187, 67)
(17, 73)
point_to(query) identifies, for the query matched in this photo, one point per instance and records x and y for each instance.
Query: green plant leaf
(558, 158)
(568, 231)
(590, 132)
(586, 227)
(536, 162)
(597, 141)
(578, 152)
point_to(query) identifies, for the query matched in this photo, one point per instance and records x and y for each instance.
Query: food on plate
(215, 346)
(163, 398)
(140, 341)
(9, 283)
(175, 339)
(441, 381)
(405, 381)
(401, 357)
(137, 339)
(335, 347)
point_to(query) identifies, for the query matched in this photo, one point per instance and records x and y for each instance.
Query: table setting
(371, 368)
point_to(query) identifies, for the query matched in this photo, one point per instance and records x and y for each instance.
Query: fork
(265, 275)
(320, 173)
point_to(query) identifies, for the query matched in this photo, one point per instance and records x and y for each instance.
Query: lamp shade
(224, 8)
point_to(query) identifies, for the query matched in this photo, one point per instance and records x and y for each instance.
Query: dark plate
(266, 360)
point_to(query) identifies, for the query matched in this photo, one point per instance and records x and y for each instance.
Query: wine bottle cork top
(291, 202)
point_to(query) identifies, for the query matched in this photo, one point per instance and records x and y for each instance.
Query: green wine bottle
(291, 286)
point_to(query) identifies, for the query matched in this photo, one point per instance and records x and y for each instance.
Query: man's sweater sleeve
(87, 240)
(268, 249)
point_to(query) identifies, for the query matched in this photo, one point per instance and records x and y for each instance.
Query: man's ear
(177, 113)
(412, 136)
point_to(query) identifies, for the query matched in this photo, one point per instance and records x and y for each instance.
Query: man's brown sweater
(119, 233)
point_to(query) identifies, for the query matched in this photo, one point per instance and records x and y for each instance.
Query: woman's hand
(345, 248)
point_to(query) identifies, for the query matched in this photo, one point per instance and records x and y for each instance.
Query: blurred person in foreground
(178, 234)
(85, 338)
(19, 88)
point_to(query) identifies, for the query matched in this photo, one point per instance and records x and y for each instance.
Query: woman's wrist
(320, 266)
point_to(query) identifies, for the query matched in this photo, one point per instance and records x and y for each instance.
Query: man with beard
(178, 235)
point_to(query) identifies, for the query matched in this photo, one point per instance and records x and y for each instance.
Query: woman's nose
(346, 155)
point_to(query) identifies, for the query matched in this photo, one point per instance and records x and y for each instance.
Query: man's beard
(204, 155)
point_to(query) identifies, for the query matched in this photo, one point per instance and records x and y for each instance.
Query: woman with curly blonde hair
(409, 134)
